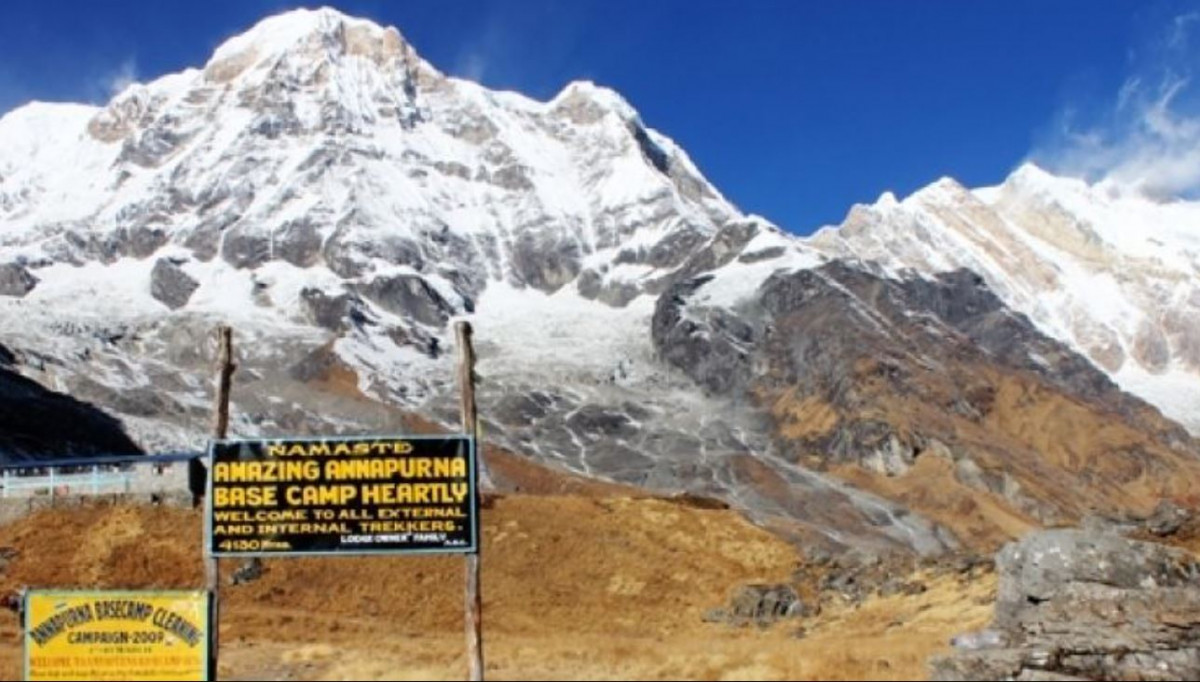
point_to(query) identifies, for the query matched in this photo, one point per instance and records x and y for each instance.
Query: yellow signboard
(344, 495)
(116, 635)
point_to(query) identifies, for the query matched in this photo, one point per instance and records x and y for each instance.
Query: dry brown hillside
(574, 587)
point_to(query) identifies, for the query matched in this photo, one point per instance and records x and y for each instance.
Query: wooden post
(225, 368)
(474, 603)
(212, 567)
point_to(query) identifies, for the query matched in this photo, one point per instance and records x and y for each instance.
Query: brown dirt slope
(574, 588)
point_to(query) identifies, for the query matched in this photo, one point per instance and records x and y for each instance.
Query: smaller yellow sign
(116, 635)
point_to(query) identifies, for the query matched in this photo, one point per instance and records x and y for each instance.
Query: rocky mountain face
(928, 391)
(339, 202)
(1110, 273)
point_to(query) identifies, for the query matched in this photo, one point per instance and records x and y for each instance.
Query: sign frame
(209, 612)
(473, 501)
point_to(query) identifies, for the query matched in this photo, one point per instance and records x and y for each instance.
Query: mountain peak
(1032, 179)
(944, 190)
(586, 96)
(1029, 173)
(318, 34)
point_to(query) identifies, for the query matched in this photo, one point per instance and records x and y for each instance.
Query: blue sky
(795, 110)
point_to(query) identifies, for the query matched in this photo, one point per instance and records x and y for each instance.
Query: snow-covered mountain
(319, 179)
(338, 201)
(1110, 272)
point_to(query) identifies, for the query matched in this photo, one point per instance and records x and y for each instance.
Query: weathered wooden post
(474, 602)
(212, 567)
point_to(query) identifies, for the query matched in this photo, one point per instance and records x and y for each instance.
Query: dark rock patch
(543, 262)
(15, 280)
(170, 285)
(298, 242)
(411, 297)
(337, 313)
(244, 250)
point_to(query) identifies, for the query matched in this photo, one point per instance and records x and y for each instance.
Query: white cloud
(1129, 90)
(487, 51)
(1181, 27)
(527, 47)
(471, 65)
(115, 82)
(1149, 139)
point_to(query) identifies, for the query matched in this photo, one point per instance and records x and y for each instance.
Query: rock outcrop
(15, 280)
(869, 374)
(171, 285)
(761, 605)
(1077, 604)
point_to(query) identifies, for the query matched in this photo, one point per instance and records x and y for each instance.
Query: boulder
(338, 312)
(545, 262)
(763, 605)
(170, 285)
(15, 280)
(1086, 604)
(1048, 564)
(1168, 518)
(244, 249)
(250, 570)
(297, 242)
(411, 297)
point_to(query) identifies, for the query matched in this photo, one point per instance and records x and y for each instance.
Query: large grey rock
(244, 249)
(1046, 564)
(297, 242)
(170, 285)
(1080, 604)
(1167, 519)
(15, 280)
(1000, 664)
(337, 312)
(592, 284)
(205, 238)
(411, 297)
(139, 241)
(763, 605)
(149, 148)
(544, 262)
